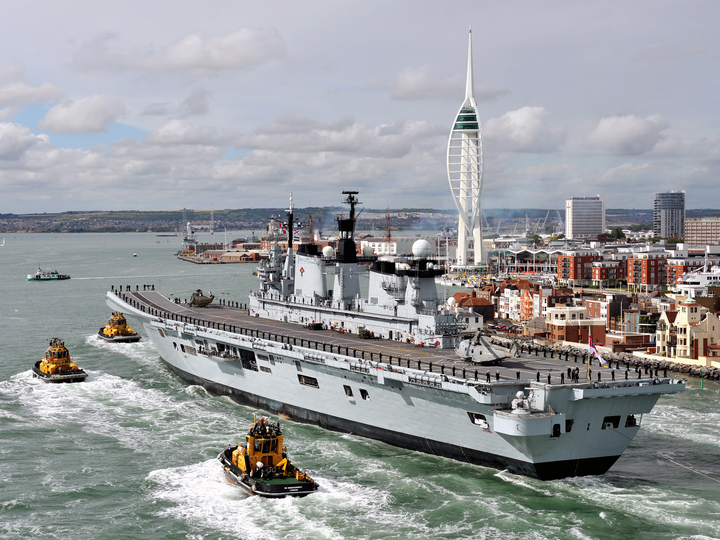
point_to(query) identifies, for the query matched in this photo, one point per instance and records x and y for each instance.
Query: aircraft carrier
(400, 391)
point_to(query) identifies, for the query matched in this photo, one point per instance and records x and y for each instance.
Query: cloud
(297, 134)
(194, 54)
(14, 90)
(179, 132)
(16, 140)
(157, 109)
(8, 113)
(416, 83)
(658, 52)
(628, 135)
(196, 104)
(86, 115)
(524, 130)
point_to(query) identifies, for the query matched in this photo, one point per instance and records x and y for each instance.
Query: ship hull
(132, 338)
(542, 471)
(256, 486)
(568, 431)
(76, 376)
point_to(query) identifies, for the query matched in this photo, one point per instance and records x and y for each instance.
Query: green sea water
(130, 453)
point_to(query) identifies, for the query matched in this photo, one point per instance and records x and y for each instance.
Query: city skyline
(238, 105)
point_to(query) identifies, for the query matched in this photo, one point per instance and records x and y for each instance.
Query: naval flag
(593, 351)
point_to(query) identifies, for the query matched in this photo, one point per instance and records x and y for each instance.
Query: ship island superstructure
(401, 304)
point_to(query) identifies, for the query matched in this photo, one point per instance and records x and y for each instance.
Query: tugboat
(57, 366)
(41, 275)
(199, 299)
(261, 467)
(117, 330)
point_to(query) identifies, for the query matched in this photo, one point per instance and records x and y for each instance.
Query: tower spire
(470, 84)
(465, 171)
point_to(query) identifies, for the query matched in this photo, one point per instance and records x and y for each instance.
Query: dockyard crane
(560, 220)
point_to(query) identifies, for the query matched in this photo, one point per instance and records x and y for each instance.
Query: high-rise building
(669, 214)
(465, 172)
(702, 231)
(584, 217)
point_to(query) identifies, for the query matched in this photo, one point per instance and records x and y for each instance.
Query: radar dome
(367, 251)
(421, 249)
(451, 301)
(328, 252)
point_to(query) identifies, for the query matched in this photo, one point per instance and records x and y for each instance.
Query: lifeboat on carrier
(261, 467)
(117, 330)
(57, 365)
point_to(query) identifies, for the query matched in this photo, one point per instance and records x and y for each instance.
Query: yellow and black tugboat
(57, 366)
(261, 467)
(117, 330)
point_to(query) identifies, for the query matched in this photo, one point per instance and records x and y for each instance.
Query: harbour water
(130, 453)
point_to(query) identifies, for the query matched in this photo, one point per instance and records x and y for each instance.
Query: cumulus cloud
(179, 132)
(86, 115)
(15, 91)
(16, 140)
(194, 54)
(524, 130)
(196, 104)
(628, 135)
(298, 134)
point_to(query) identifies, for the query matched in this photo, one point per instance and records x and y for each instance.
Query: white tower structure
(465, 171)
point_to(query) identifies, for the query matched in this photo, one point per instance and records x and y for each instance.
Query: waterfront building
(608, 272)
(691, 332)
(575, 266)
(570, 323)
(608, 307)
(534, 303)
(465, 173)
(676, 267)
(647, 270)
(702, 231)
(584, 217)
(669, 214)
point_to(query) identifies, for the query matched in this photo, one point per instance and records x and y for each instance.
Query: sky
(163, 105)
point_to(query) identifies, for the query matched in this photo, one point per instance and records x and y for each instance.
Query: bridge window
(265, 369)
